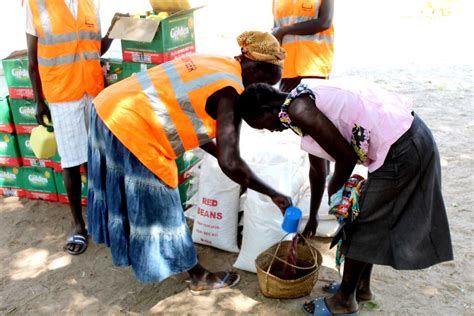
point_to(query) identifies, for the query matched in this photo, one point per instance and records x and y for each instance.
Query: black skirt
(402, 221)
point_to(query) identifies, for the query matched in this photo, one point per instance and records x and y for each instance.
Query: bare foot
(339, 306)
(332, 307)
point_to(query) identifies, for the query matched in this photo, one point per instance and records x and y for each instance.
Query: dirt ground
(37, 277)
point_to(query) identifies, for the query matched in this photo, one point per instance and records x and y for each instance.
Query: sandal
(76, 239)
(204, 287)
(320, 308)
(333, 287)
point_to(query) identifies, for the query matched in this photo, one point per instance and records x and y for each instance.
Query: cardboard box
(187, 189)
(173, 37)
(9, 150)
(28, 157)
(11, 182)
(62, 194)
(58, 168)
(39, 184)
(186, 161)
(112, 69)
(57, 163)
(130, 68)
(6, 121)
(15, 67)
(24, 115)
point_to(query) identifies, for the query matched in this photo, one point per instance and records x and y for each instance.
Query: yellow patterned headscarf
(261, 46)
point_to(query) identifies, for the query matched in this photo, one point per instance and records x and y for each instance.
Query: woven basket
(309, 261)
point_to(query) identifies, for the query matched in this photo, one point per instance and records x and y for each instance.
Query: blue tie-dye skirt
(134, 213)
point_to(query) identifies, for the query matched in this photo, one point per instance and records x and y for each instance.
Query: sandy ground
(37, 277)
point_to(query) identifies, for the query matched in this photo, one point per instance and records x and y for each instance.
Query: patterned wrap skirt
(402, 221)
(133, 212)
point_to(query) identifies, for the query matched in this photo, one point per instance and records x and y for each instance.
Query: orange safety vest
(306, 55)
(158, 114)
(68, 49)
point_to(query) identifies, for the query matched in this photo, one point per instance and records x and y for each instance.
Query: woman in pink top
(402, 221)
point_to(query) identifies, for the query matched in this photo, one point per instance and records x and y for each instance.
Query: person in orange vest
(305, 30)
(139, 126)
(64, 47)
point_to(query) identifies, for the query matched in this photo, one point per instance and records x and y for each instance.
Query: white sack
(280, 163)
(215, 222)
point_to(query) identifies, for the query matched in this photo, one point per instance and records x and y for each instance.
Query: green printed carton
(58, 168)
(186, 161)
(39, 184)
(15, 67)
(28, 157)
(6, 121)
(130, 68)
(57, 163)
(174, 37)
(187, 189)
(112, 69)
(186, 182)
(62, 194)
(9, 150)
(11, 181)
(24, 115)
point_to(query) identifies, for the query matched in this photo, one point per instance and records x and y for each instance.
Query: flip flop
(333, 287)
(76, 239)
(217, 286)
(320, 308)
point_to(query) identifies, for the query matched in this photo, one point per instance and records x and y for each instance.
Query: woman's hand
(310, 228)
(282, 201)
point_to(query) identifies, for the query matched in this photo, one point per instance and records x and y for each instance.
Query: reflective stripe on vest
(317, 38)
(67, 59)
(181, 90)
(68, 49)
(51, 39)
(57, 61)
(292, 19)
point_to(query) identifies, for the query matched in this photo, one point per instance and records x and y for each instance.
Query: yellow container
(43, 141)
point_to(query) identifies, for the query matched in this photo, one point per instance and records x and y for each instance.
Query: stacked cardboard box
(24, 115)
(11, 181)
(173, 37)
(15, 67)
(6, 121)
(39, 184)
(62, 194)
(9, 151)
(10, 159)
(43, 178)
(186, 181)
(116, 70)
(21, 173)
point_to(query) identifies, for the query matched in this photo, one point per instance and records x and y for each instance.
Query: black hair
(272, 69)
(255, 100)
